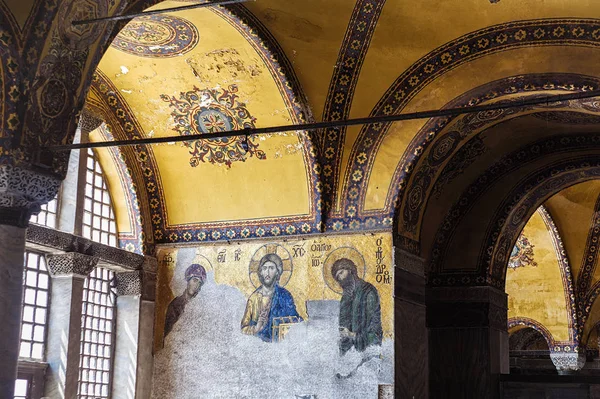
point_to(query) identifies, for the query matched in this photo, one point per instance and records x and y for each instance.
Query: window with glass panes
(97, 333)
(47, 216)
(98, 217)
(22, 389)
(36, 294)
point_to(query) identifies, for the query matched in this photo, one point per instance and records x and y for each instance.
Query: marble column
(132, 375)
(468, 341)
(12, 249)
(68, 273)
(22, 192)
(70, 215)
(410, 329)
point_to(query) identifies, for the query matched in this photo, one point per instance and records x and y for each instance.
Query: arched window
(98, 216)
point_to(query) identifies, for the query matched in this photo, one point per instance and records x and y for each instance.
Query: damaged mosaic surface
(293, 319)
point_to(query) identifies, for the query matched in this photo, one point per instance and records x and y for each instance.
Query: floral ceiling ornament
(212, 111)
(522, 254)
(157, 36)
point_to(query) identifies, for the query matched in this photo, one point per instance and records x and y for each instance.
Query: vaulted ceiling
(271, 62)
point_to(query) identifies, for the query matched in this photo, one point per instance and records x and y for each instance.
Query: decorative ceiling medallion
(522, 254)
(157, 36)
(212, 111)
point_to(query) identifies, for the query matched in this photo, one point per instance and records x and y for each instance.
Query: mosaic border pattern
(353, 51)
(590, 256)
(446, 141)
(544, 32)
(555, 346)
(575, 328)
(585, 306)
(527, 195)
(356, 218)
(182, 38)
(127, 165)
(10, 86)
(131, 241)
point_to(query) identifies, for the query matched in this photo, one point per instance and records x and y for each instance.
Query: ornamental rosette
(212, 111)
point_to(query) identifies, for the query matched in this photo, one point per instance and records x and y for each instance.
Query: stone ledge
(52, 241)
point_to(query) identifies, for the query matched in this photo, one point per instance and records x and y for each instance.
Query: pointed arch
(575, 329)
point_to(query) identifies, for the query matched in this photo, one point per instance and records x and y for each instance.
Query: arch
(342, 87)
(540, 288)
(516, 323)
(445, 147)
(510, 217)
(147, 166)
(525, 196)
(128, 168)
(481, 43)
(522, 341)
(575, 327)
(475, 45)
(134, 240)
(590, 258)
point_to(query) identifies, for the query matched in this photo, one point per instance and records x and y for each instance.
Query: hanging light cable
(537, 100)
(161, 11)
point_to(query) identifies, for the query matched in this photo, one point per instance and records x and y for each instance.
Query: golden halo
(202, 261)
(271, 249)
(339, 253)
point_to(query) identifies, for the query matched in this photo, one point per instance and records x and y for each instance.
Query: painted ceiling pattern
(157, 36)
(213, 111)
(223, 103)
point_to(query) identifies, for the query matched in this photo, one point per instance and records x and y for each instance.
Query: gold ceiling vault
(268, 63)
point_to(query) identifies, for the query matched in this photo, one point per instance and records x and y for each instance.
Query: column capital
(89, 121)
(22, 191)
(136, 283)
(568, 362)
(71, 263)
(129, 283)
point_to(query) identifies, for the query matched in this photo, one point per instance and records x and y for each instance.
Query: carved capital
(71, 263)
(129, 283)
(385, 391)
(89, 121)
(136, 283)
(22, 192)
(568, 362)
